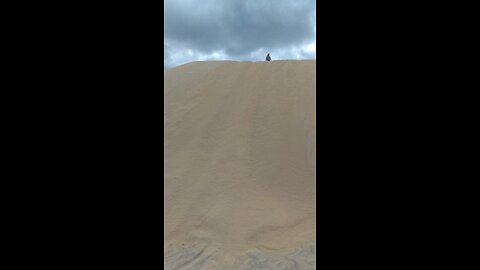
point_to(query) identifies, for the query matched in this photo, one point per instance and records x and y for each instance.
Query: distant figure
(268, 57)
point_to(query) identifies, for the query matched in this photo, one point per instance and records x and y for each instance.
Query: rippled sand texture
(181, 257)
(239, 154)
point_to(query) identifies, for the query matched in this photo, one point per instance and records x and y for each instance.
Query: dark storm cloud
(238, 29)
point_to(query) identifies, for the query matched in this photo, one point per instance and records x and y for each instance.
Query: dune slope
(239, 153)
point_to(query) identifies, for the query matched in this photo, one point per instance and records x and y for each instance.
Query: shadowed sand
(239, 154)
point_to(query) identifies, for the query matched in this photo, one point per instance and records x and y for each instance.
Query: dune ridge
(239, 153)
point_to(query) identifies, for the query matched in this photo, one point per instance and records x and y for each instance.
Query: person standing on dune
(268, 57)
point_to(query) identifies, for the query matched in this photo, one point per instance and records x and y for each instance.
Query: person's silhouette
(268, 57)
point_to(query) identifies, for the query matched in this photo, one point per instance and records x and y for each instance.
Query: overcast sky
(242, 30)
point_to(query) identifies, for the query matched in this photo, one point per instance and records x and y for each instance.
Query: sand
(239, 153)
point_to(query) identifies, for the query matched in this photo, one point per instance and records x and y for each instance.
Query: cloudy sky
(242, 30)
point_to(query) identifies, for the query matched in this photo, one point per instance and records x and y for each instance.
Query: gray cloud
(238, 30)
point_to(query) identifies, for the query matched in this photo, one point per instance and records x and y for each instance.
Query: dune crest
(239, 165)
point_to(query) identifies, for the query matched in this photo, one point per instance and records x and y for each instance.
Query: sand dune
(239, 154)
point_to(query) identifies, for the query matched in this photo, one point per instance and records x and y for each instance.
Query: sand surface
(239, 165)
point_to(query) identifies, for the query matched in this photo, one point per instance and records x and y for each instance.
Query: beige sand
(239, 154)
